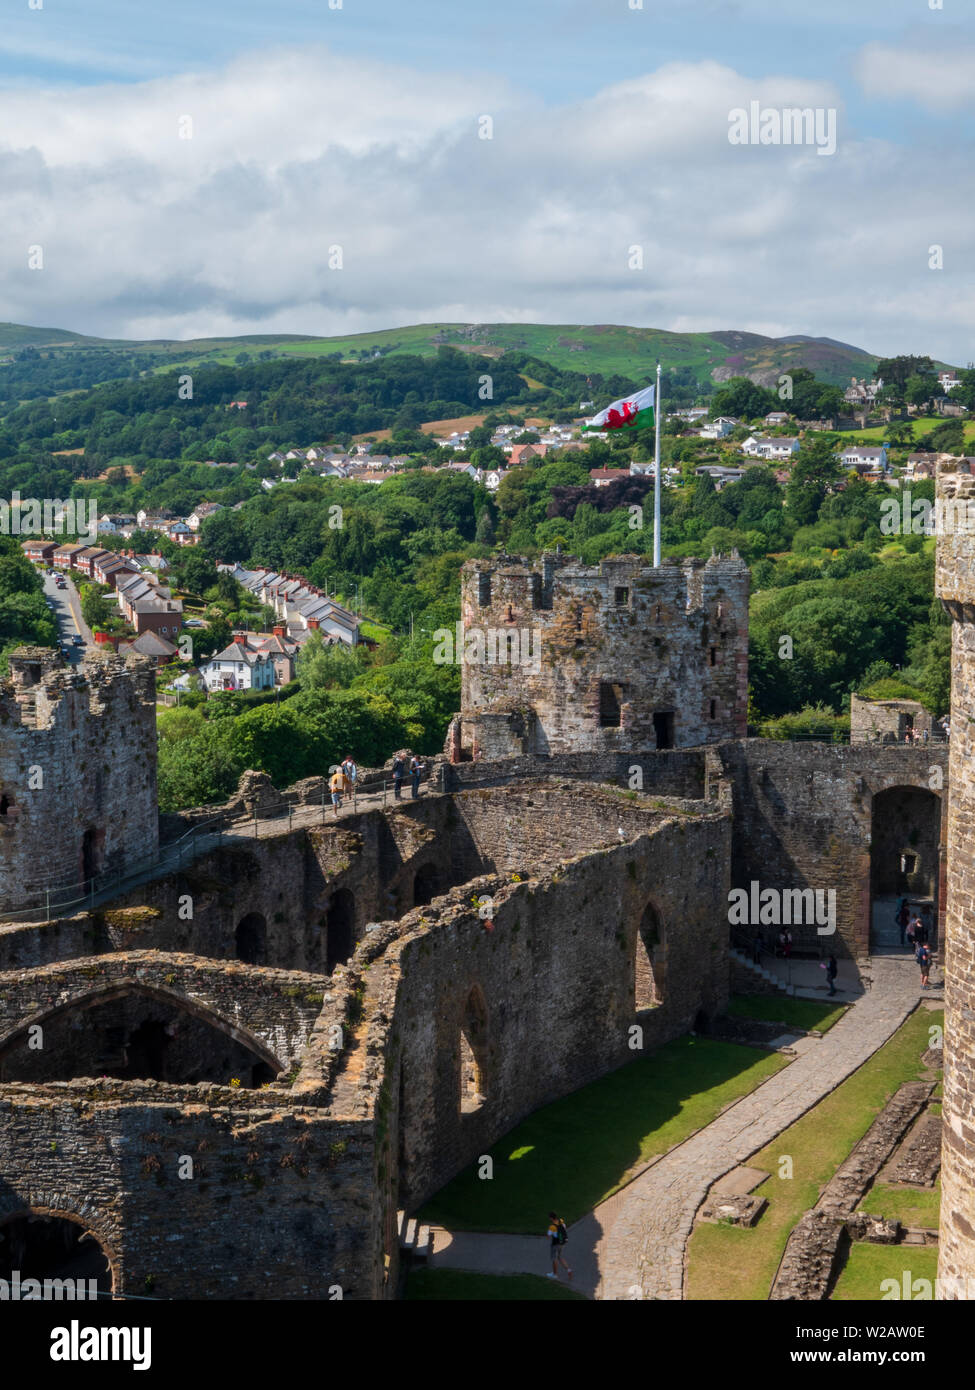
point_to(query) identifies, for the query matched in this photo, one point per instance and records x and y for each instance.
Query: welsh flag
(631, 413)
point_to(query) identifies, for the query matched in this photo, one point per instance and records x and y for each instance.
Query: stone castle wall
(809, 816)
(620, 656)
(553, 984)
(955, 581)
(77, 772)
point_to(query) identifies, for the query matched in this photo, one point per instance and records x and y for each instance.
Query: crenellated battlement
(622, 654)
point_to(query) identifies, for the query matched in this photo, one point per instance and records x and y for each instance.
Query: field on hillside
(607, 349)
(922, 425)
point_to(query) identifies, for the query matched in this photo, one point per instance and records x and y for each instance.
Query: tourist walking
(558, 1237)
(399, 771)
(416, 769)
(350, 770)
(832, 970)
(337, 787)
(758, 946)
(923, 957)
(902, 918)
(920, 931)
(785, 943)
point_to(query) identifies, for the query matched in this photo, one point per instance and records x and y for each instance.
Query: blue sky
(315, 111)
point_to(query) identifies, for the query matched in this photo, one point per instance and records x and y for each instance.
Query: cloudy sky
(362, 127)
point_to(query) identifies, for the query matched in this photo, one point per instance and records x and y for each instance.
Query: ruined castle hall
(231, 1074)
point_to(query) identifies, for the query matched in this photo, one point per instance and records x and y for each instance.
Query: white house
(863, 458)
(718, 428)
(755, 446)
(491, 477)
(948, 381)
(197, 517)
(238, 668)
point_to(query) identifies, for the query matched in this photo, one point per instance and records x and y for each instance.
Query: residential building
(864, 459)
(238, 668)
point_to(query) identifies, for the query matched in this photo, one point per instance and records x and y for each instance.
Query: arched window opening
(648, 963)
(473, 1054)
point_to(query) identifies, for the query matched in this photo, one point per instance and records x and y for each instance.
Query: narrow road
(66, 606)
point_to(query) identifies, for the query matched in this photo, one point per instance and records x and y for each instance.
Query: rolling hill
(607, 349)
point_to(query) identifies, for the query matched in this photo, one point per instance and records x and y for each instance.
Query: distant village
(264, 660)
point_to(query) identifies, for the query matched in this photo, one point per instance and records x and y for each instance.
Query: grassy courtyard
(867, 1266)
(729, 1262)
(807, 1014)
(911, 1206)
(577, 1151)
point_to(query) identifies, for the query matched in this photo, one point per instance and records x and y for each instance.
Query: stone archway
(43, 1244)
(250, 939)
(648, 967)
(340, 940)
(426, 885)
(135, 1032)
(905, 861)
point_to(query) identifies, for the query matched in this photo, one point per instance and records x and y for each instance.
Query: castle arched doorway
(339, 929)
(426, 885)
(905, 863)
(46, 1245)
(250, 939)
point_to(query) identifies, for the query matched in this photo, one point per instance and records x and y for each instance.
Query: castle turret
(563, 658)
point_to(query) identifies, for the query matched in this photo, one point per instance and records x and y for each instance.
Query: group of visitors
(406, 764)
(916, 934)
(343, 780)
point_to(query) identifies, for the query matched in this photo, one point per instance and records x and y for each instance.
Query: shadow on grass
(574, 1153)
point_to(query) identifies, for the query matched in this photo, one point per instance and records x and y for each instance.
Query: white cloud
(147, 235)
(938, 79)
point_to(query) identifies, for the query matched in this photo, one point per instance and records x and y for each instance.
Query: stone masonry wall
(77, 770)
(601, 652)
(804, 818)
(555, 979)
(279, 1204)
(956, 588)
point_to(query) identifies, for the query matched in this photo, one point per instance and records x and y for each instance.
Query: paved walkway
(632, 1245)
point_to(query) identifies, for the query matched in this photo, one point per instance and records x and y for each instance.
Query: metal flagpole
(656, 474)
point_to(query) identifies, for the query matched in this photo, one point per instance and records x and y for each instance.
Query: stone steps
(759, 971)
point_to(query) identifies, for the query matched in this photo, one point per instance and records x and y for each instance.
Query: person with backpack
(558, 1237)
(416, 768)
(923, 957)
(399, 771)
(337, 787)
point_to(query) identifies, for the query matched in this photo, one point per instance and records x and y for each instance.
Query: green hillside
(607, 349)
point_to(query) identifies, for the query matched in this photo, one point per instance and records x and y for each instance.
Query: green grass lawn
(730, 1262)
(807, 1014)
(868, 1265)
(911, 1206)
(456, 1284)
(577, 1151)
(922, 425)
